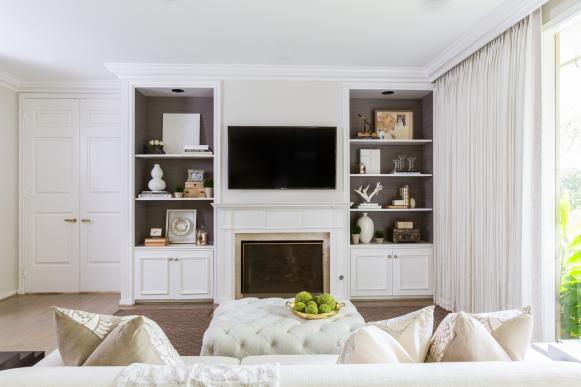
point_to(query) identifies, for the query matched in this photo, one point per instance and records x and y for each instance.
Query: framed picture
(394, 125)
(196, 174)
(155, 232)
(180, 226)
(179, 130)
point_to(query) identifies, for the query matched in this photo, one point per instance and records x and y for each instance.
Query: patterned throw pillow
(86, 338)
(403, 339)
(497, 336)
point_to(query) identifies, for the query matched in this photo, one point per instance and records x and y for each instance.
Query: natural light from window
(569, 172)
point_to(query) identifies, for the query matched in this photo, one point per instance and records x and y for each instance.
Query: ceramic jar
(367, 228)
(156, 183)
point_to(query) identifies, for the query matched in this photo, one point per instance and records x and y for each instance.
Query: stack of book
(368, 206)
(156, 242)
(154, 194)
(198, 149)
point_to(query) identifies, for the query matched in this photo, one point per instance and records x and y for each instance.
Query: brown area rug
(185, 327)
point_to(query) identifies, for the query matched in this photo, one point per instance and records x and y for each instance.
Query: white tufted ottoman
(254, 326)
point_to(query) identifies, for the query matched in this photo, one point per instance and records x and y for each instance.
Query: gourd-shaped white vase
(367, 228)
(156, 183)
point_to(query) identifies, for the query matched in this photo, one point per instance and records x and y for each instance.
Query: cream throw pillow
(497, 336)
(403, 339)
(86, 338)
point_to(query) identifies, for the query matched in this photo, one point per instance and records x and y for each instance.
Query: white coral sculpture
(363, 192)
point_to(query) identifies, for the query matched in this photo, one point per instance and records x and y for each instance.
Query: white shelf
(389, 142)
(391, 244)
(174, 156)
(177, 246)
(391, 210)
(391, 175)
(173, 199)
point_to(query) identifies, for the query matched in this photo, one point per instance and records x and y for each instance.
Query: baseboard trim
(7, 294)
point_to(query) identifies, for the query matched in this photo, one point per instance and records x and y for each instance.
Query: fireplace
(280, 265)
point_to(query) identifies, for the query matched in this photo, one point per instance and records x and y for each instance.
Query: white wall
(9, 193)
(306, 103)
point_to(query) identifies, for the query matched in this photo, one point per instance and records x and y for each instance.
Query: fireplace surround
(281, 264)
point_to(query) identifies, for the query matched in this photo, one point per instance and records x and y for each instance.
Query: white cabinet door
(153, 275)
(412, 272)
(192, 275)
(371, 272)
(50, 184)
(102, 229)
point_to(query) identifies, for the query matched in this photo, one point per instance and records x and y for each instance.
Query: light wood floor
(26, 322)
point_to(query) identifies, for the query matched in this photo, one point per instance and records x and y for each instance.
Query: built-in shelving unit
(366, 102)
(150, 105)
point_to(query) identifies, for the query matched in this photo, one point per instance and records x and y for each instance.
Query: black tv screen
(281, 157)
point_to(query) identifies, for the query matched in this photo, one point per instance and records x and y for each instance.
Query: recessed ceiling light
(388, 92)
(177, 90)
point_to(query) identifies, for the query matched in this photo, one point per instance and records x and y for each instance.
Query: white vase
(412, 203)
(156, 183)
(367, 228)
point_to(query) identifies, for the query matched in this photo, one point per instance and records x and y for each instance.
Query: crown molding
(157, 71)
(108, 86)
(507, 14)
(9, 81)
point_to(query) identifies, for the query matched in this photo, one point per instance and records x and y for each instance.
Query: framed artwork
(180, 130)
(180, 226)
(196, 174)
(394, 125)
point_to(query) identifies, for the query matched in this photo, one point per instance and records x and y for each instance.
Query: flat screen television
(282, 157)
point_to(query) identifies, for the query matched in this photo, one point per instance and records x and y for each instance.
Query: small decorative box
(406, 235)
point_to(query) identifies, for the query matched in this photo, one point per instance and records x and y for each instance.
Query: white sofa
(321, 371)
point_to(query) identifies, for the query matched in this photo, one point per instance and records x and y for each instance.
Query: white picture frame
(180, 226)
(179, 130)
(372, 160)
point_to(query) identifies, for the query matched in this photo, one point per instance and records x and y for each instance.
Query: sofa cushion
(78, 333)
(138, 340)
(403, 339)
(511, 330)
(290, 359)
(86, 338)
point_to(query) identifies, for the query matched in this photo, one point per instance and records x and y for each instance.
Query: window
(569, 181)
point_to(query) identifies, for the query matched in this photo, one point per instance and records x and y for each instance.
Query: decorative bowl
(308, 316)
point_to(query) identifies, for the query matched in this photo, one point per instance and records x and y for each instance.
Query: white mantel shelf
(390, 209)
(284, 205)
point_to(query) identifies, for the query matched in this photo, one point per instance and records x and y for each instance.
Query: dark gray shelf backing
(175, 171)
(367, 107)
(149, 116)
(420, 189)
(152, 215)
(386, 220)
(422, 153)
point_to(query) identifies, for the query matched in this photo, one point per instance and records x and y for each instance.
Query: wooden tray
(308, 316)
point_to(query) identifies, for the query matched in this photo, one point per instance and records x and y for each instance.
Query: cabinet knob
(71, 220)
(341, 277)
(395, 256)
(86, 220)
(389, 257)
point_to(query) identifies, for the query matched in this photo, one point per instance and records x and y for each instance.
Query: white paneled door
(101, 194)
(72, 196)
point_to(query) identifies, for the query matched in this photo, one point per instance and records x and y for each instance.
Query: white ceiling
(69, 40)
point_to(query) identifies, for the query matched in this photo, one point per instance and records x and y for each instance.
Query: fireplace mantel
(237, 218)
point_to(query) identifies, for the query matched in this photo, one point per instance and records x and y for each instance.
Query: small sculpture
(363, 192)
(366, 123)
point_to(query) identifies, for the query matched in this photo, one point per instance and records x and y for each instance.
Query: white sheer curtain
(487, 176)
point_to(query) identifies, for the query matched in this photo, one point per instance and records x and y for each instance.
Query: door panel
(193, 275)
(413, 272)
(371, 272)
(50, 195)
(102, 226)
